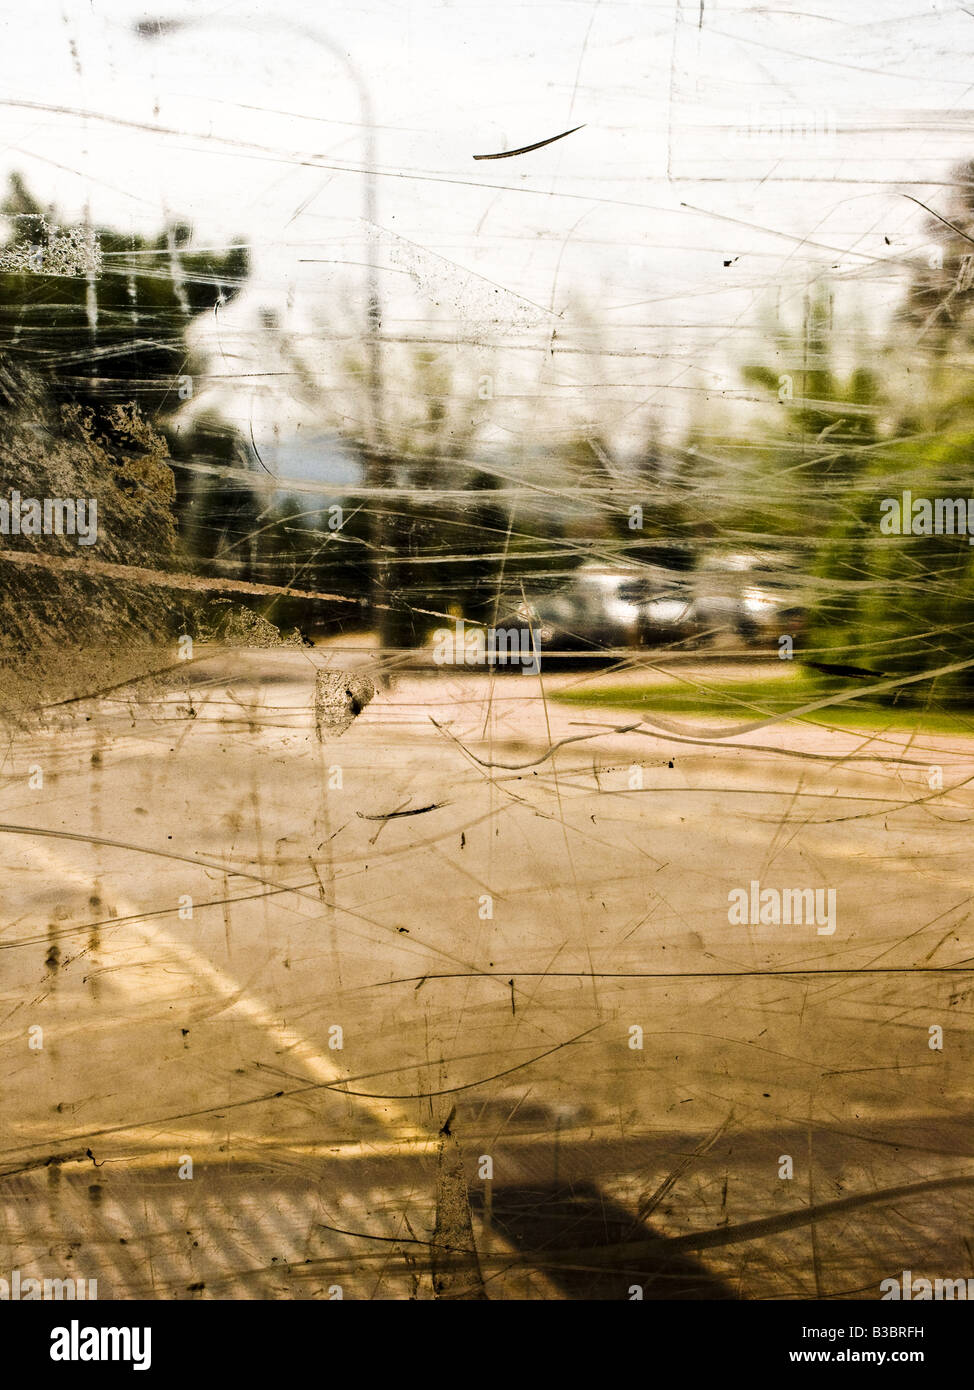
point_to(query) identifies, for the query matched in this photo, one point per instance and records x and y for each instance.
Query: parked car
(606, 606)
(597, 608)
(751, 595)
(667, 607)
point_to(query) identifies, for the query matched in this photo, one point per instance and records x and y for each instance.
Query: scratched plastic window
(487, 660)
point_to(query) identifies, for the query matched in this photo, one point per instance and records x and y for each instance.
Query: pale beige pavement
(491, 946)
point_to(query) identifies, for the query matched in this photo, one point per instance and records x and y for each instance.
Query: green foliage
(897, 605)
(116, 334)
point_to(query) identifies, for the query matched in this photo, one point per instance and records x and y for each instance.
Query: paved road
(290, 959)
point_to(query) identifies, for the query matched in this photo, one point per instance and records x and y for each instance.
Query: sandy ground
(295, 960)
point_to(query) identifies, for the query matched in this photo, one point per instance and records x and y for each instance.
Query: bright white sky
(615, 238)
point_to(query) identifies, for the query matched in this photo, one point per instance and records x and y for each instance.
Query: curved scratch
(526, 149)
